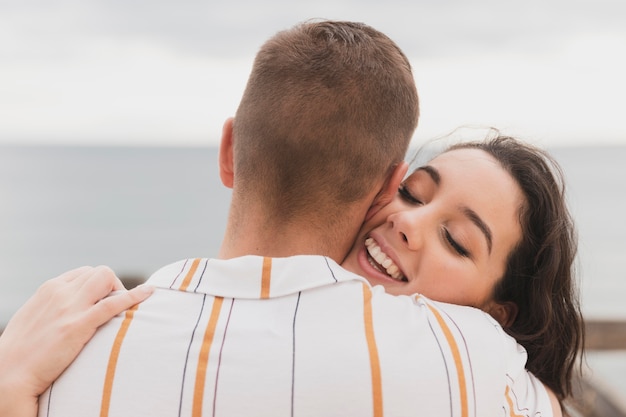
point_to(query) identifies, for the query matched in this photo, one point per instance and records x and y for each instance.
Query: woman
(466, 245)
(485, 224)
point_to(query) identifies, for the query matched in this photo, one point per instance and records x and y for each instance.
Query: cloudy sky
(157, 72)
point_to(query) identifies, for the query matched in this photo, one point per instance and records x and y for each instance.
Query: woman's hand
(47, 333)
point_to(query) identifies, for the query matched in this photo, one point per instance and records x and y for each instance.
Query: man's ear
(227, 166)
(504, 313)
(389, 189)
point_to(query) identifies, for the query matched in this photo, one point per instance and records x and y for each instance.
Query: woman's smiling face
(448, 232)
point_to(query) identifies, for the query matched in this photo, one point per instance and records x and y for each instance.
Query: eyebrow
(468, 212)
(432, 172)
(475, 218)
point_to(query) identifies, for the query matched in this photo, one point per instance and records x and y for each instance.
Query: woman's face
(447, 234)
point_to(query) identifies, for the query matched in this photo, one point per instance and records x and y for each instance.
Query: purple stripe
(181, 271)
(193, 333)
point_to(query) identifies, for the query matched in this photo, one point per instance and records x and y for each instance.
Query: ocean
(136, 209)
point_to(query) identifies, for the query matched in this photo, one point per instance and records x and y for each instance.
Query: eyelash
(406, 195)
(455, 245)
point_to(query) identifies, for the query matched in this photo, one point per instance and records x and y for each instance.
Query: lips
(383, 263)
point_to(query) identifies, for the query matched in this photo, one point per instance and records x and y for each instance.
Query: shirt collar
(251, 276)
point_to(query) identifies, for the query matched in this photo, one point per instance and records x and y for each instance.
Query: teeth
(374, 250)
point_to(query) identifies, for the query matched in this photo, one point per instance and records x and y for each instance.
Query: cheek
(436, 275)
(381, 216)
(439, 262)
(454, 282)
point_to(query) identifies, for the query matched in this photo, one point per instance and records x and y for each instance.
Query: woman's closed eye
(406, 195)
(457, 247)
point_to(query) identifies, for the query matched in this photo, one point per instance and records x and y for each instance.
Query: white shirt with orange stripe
(296, 336)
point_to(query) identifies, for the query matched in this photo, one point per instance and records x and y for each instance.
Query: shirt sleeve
(525, 395)
(491, 364)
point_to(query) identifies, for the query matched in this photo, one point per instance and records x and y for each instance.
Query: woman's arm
(47, 333)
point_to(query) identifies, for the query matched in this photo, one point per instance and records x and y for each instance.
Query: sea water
(136, 209)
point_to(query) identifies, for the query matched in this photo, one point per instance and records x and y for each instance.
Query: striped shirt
(295, 336)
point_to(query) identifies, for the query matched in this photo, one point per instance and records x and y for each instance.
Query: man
(275, 326)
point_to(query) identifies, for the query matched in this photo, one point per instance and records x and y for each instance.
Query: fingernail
(145, 288)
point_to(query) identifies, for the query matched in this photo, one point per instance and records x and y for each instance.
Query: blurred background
(111, 111)
(161, 72)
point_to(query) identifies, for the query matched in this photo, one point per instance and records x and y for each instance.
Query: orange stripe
(113, 357)
(457, 360)
(377, 390)
(509, 400)
(266, 277)
(190, 274)
(198, 394)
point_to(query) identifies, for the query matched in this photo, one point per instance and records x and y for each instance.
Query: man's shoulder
(409, 309)
(332, 287)
(305, 273)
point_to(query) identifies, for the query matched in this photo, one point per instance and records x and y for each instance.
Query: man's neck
(280, 244)
(255, 235)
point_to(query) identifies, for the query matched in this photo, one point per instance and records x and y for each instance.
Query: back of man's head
(329, 109)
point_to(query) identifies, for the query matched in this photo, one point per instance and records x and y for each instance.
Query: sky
(157, 72)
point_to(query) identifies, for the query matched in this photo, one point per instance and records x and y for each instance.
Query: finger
(85, 276)
(99, 283)
(109, 277)
(70, 276)
(62, 285)
(113, 305)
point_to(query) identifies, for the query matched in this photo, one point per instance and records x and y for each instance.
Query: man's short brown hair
(329, 108)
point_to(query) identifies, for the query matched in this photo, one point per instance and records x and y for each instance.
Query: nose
(411, 226)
